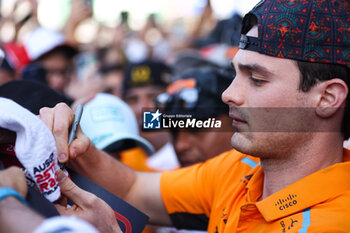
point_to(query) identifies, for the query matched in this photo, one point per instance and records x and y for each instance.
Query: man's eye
(257, 82)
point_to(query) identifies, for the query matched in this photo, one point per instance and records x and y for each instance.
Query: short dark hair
(312, 73)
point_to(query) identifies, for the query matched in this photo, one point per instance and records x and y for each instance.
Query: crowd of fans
(77, 70)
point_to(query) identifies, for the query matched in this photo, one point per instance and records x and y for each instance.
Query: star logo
(156, 115)
(152, 120)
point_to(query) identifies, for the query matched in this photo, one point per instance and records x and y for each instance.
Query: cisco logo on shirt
(286, 202)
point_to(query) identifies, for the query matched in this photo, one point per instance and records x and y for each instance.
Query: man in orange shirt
(289, 104)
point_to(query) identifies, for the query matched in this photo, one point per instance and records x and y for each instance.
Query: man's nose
(234, 94)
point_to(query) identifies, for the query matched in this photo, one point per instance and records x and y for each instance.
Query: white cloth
(35, 146)
(65, 225)
(164, 159)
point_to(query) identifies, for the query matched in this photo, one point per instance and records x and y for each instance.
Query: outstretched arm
(139, 189)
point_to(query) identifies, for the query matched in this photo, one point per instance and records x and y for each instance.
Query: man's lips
(237, 121)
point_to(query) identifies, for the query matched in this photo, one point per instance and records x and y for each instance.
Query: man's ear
(333, 94)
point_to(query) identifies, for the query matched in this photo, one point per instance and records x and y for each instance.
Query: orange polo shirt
(221, 195)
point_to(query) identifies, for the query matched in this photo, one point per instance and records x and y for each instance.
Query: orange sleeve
(188, 193)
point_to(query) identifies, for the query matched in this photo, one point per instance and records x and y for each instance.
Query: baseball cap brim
(68, 50)
(119, 142)
(32, 95)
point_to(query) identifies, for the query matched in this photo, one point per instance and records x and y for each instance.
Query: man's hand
(58, 120)
(13, 177)
(87, 206)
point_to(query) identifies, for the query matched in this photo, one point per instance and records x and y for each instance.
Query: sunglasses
(187, 98)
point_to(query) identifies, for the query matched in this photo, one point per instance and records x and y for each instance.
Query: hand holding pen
(59, 119)
(74, 127)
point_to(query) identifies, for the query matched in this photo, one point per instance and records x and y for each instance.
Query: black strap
(249, 43)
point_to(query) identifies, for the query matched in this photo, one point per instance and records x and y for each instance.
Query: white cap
(107, 120)
(43, 40)
(136, 50)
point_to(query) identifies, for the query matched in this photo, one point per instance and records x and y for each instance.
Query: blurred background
(101, 37)
(54, 13)
(108, 35)
(177, 16)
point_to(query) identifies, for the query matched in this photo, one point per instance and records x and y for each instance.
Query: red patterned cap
(305, 30)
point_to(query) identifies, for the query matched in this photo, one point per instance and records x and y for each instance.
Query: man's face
(112, 82)
(261, 97)
(198, 146)
(142, 97)
(59, 71)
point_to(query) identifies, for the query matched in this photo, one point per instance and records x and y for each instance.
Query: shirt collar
(307, 192)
